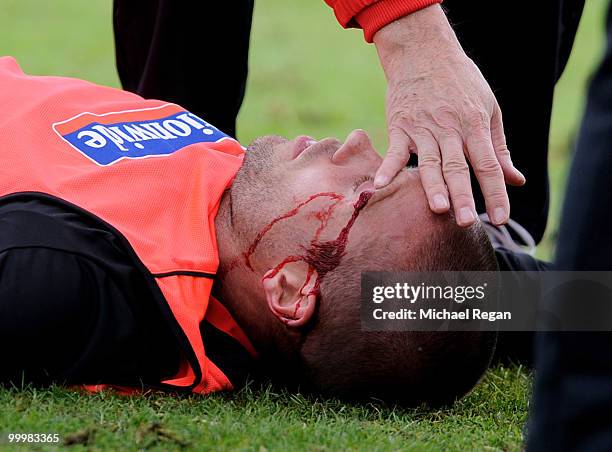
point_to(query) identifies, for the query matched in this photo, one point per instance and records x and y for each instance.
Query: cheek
(321, 176)
(316, 179)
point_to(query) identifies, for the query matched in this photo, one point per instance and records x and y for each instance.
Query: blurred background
(307, 75)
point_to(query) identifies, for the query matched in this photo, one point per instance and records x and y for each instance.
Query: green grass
(307, 76)
(490, 418)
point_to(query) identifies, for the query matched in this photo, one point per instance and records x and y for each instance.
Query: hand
(440, 106)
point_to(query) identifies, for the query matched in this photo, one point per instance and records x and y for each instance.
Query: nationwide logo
(135, 134)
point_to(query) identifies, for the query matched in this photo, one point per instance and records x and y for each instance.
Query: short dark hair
(340, 359)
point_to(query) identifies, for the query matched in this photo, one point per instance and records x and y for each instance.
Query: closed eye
(361, 181)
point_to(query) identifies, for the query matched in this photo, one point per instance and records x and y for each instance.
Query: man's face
(296, 202)
(302, 167)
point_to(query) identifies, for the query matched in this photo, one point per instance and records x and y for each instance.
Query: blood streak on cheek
(249, 252)
(326, 256)
(279, 267)
(323, 257)
(323, 216)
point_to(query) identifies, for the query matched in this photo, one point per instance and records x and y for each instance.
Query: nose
(358, 143)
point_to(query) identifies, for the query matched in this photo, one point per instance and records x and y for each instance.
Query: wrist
(421, 36)
(379, 14)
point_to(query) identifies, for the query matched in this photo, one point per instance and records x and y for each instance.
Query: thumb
(396, 158)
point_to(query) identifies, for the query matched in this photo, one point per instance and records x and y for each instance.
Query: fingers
(430, 169)
(511, 174)
(443, 166)
(489, 173)
(397, 157)
(457, 176)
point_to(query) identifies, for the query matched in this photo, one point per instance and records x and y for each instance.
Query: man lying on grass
(140, 247)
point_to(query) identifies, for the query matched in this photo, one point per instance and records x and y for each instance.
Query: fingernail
(466, 216)
(380, 181)
(521, 174)
(499, 215)
(440, 202)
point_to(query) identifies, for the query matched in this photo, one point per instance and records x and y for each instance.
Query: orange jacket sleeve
(372, 15)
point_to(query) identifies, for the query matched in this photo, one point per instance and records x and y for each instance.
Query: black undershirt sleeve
(73, 308)
(48, 307)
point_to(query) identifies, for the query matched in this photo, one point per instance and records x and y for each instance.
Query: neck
(235, 281)
(227, 247)
(224, 231)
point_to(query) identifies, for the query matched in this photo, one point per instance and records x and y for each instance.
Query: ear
(289, 292)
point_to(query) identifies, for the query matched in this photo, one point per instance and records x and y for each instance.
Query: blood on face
(321, 256)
